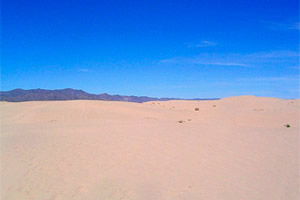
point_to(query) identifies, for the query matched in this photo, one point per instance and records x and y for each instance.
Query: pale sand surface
(97, 150)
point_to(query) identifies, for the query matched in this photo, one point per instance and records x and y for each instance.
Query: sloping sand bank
(231, 149)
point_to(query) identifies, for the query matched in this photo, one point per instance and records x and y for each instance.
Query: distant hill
(19, 95)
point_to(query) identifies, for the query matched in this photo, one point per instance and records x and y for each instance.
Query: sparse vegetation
(180, 121)
(196, 109)
(214, 106)
(287, 125)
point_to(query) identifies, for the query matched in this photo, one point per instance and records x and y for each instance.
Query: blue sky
(186, 49)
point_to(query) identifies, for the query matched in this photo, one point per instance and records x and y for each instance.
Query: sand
(231, 149)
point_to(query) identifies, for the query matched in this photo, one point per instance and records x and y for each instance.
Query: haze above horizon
(183, 49)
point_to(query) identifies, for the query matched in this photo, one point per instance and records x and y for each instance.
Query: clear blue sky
(186, 49)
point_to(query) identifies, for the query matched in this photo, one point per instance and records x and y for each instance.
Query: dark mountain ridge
(19, 95)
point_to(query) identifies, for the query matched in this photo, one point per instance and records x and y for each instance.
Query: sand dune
(230, 149)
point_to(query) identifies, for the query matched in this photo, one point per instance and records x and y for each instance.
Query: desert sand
(231, 149)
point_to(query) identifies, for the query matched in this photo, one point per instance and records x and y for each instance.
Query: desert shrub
(180, 121)
(196, 109)
(287, 125)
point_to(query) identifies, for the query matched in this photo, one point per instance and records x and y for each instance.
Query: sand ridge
(233, 148)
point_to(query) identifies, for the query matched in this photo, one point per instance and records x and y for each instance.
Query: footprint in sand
(152, 118)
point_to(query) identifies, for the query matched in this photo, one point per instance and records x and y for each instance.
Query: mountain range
(19, 95)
